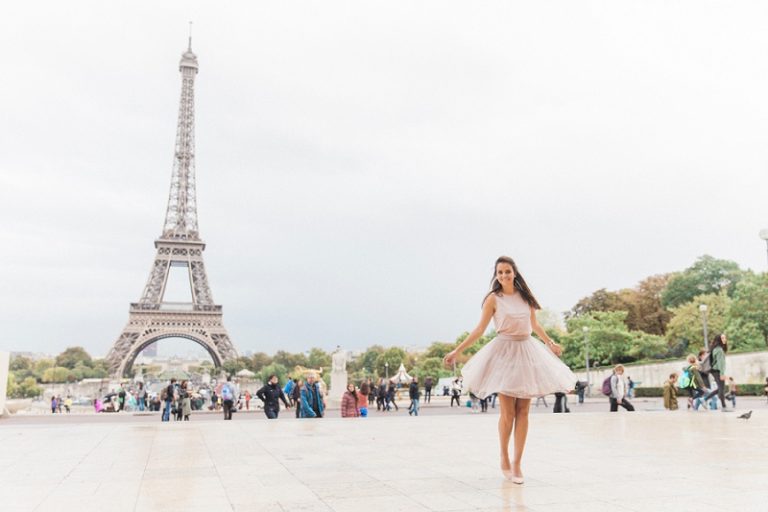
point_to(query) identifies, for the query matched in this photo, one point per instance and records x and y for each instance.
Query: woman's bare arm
(489, 307)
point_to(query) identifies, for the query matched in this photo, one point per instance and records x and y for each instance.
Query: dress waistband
(514, 337)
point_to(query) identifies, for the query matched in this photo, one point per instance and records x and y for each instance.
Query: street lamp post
(764, 236)
(386, 368)
(703, 309)
(586, 358)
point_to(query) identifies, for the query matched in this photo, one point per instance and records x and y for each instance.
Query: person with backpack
(670, 393)
(619, 390)
(692, 381)
(166, 396)
(227, 395)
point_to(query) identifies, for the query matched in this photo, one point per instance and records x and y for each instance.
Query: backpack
(607, 385)
(164, 394)
(226, 392)
(686, 379)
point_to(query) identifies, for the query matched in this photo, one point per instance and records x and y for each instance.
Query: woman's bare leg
(506, 423)
(522, 407)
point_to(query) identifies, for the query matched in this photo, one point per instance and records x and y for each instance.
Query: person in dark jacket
(271, 394)
(413, 394)
(391, 396)
(296, 396)
(428, 383)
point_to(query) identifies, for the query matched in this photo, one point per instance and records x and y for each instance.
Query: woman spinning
(513, 364)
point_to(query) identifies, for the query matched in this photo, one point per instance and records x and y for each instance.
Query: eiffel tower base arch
(146, 327)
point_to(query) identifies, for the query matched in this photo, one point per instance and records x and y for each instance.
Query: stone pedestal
(338, 386)
(5, 359)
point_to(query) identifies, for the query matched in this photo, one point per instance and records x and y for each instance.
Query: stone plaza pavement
(644, 461)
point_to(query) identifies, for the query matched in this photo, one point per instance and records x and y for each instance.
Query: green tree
(645, 311)
(686, 328)
(439, 349)
(290, 360)
(22, 367)
(72, 356)
(58, 374)
(705, 277)
(318, 358)
(610, 341)
(40, 366)
(368, 360)
(394, 356)
(259, 360)
(431, 367)
(601, 300)
(749, 308)
(744, 335)
(274, 369)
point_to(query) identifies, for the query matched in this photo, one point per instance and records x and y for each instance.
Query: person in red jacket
(350, 403)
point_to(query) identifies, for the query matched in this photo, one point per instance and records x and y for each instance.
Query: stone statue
(339, 360)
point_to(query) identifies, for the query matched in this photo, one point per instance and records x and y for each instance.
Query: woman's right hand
(450, 358)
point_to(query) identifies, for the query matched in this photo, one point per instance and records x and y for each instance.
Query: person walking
(54, 404)
(365, 391)
(381, 395)
(542, 398)
(456, 392)
(428, 383)
(413, 394)
(392, 396)
(166, 396)
(121, 398)
(247, 400)
(717, 355)
(350, 403)
(141, 397)
(693, 383)
(312, 404)
(185, 397)
(296, 396)
(670, 393)
(514, 364)
(619, 390)
(227, 395)
(68, 404)
(271, 394)
(288, 390)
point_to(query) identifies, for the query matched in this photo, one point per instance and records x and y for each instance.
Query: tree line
(657, 319)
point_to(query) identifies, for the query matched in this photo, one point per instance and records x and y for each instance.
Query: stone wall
(4, 362)
(745, 368)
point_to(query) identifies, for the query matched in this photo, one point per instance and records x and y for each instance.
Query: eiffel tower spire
(181, 216)
(153, 318)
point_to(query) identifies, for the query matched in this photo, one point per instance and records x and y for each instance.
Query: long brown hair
(519, 282)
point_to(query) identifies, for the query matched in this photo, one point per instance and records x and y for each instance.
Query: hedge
(743, 390)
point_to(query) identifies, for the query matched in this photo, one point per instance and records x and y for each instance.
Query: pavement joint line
(146, 464)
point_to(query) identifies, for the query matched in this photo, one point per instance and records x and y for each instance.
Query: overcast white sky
(360, 165)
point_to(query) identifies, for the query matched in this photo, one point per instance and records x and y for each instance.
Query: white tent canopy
(401, 376)
(245, 372)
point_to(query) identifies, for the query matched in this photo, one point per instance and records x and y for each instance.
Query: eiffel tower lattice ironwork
(152, 319)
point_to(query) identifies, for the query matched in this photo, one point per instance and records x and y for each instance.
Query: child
(695, 384)
(670, 393)
(732, 390)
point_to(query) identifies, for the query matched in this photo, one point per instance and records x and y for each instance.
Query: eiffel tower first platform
(151, 319)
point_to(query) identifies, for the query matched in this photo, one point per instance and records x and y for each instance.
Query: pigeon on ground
(746, 415)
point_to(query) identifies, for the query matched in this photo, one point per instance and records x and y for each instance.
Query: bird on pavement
(746, 415)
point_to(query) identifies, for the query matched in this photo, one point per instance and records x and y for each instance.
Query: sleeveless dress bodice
(512, 316)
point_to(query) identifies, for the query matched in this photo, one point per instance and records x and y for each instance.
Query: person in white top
(514, 364)
(619, 390)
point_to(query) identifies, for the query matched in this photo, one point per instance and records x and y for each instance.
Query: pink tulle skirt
(522, 369)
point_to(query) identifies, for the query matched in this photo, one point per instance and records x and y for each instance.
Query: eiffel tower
(151, 319)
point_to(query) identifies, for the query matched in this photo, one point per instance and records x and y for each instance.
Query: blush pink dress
(514, 363)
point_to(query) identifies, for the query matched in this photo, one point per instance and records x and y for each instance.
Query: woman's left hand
(556, 349)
